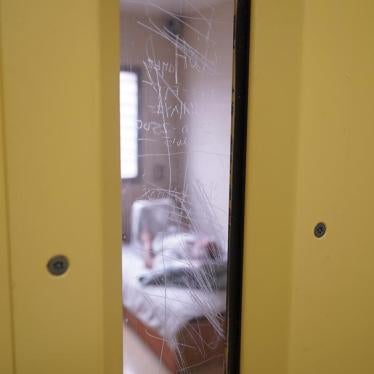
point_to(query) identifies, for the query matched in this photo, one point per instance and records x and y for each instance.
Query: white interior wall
(206, 92)
(137, 45)
(208, 157)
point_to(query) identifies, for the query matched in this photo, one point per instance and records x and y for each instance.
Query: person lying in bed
(182, 259)
(177, 248)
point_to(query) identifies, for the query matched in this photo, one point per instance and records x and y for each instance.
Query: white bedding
(166, 310)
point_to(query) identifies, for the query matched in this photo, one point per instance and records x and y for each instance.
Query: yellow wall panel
(275, 56)
(6, 342)
(60, 60)
(307, 302)
(332, 329)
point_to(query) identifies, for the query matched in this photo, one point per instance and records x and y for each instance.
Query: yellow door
(307, 301)
(59, 174)
(6, 348)
(308, 305)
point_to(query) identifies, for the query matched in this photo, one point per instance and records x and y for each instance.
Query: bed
(184, 326)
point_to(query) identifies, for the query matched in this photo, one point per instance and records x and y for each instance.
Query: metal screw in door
(320, 230)
(58, 265)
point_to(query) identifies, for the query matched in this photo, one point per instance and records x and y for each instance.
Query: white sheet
(166, 310)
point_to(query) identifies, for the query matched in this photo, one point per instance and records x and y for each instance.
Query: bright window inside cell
(128, 122)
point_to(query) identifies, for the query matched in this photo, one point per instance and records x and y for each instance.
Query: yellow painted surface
(62, 159)
(308, 305)
(271, 178)
(332, 329)
(6, 349)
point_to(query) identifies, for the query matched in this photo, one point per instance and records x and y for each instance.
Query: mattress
(167, 309)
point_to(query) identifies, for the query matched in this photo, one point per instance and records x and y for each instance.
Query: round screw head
(58, 265)
(320, 230)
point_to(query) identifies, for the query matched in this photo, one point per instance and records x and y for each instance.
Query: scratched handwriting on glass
(175, 101)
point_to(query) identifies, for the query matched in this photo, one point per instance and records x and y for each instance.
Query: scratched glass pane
(175, 102)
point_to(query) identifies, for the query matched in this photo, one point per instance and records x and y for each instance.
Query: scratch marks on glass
(176, 211)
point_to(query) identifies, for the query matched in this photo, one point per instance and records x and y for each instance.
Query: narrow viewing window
(183, 125)
(128, 121)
